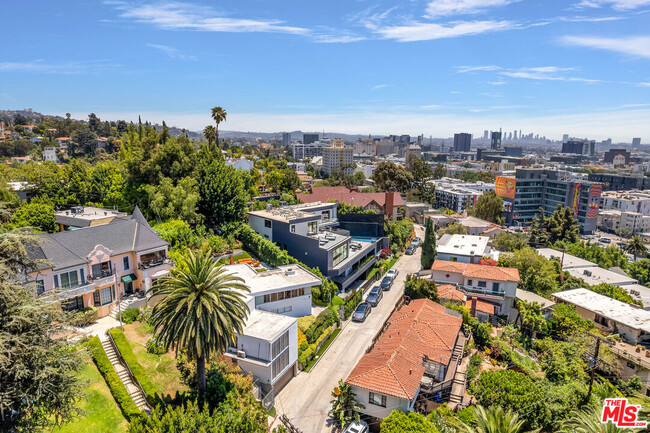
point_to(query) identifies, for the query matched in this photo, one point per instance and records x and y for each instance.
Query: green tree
(107, 184)
(439, 171)
(36, 213)
(358, 178)
(188, 418)
(411, 422)
(455, 229)
(640, 270)
(419, 288)
(398, 232)
(536, 273)
(390, 177)
(636, 247)
(565, 321)
(210, 134)
(539, 237)
(83, 139)
(164, 133)
(345, 407)
(489, 207)
(181, 201)
(588, 420)
(218, 115)
(178, 233)
(202, 308)
(562, 225)
(428, 245)
(531, 316)
(495, 420)
(510, 242)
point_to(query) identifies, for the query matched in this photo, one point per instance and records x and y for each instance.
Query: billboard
(594, 200)
(576, 198)
(505, 187)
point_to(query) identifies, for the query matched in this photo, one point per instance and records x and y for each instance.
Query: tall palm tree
(210, 134)
(219, 115)
(636, 247)
(588, 420)
(345, 407)
(495, 420)
(202, 309)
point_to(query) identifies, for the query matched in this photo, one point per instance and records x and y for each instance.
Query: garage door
(283, 380)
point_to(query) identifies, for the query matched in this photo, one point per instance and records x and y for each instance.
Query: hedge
(352, 302)
(138, 371)
(121, 395)
(307, 354)
(130, 315)
(325, 319)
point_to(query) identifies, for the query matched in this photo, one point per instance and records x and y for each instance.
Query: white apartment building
(49, 154)
(457, 195)
(612, 220)
(337, 156)
(462, 248)
(302, 151)
(626, 201)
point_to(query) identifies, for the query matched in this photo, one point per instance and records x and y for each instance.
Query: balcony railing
(101, 274)
(153, 263)
(483, 291)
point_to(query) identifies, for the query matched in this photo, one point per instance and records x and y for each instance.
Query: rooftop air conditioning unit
(283, 204)
(587, 273)
(289, 271)
(241, 354)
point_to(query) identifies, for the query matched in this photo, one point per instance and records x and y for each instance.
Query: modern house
(462, 248)
(78, 216)
(414, 359)
(268, 346)
(307, 233)
(98, 265)
(490, 284)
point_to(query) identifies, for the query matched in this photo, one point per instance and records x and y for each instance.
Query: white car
(392, 273)
(357, 427)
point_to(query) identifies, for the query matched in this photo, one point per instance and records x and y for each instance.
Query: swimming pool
(364, 239)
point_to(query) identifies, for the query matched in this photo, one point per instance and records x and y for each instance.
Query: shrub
(121, 395)
(153, 346)
(472, 370)
(482, 333)
(352, 303)
(303, 346)
(83, 317)
(145, 315)
(301, 337)
(130, 315)
(138, 371)
(326, 318)
(337, 300)
(386, 252)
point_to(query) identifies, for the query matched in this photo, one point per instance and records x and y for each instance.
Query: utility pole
(592, 365)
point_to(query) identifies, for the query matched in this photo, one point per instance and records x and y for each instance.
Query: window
(69, 279)
(272, 297)
(267, 224)
(377, 399)
(282, 310)
(102, 270)
(630, 365)
(56, 281)
(83, 275)
(325, 215)
(495, 287)
(76, 303)
(312, 228)
(125, 263)
(279, 345)
(280, 363)
(482, 284)
(40, 287)
(601, 320)
(453, 259)
(292, 228)
(469, 282)
(340, 254)
(103, 296)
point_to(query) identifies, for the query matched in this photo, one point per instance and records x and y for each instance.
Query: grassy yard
(238, 256)
(101, 413)
(161, 369)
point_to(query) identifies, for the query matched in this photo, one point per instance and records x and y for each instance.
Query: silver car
(362, 311)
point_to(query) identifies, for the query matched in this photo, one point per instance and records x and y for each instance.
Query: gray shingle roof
(121, 235)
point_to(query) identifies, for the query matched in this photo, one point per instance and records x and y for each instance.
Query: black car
(375, 296)
(361, 312)
(386, 283)
(410, 250)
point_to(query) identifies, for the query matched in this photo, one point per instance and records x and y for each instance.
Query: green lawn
(101, 414)
(240, 256)
(161, 369)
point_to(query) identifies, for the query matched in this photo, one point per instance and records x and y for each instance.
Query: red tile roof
(394, 365)
(349, 197)
(450, 292)
(471, 270)
(482, 306)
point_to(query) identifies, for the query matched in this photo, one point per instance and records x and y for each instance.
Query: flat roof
(569, 260)
(267, 326)
(609, 308)
(525, 295)
(596, 275)
(287, 276)
(88, 214)
(639, 292)
(464, 245)
(290, 213)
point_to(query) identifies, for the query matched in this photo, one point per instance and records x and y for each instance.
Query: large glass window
(102, 270)
(267, 224)
(272, 297)
(280, 363)
(103, 296)
(280, 344)
(340, 254)
(69, 279)
(125, 262)
(312, 228)
(76, 303)
(325, 215)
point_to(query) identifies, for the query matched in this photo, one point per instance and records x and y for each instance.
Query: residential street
(305, 399)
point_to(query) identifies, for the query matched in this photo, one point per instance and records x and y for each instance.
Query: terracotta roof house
(382, 202)
(493, 285)
(482, 310)
(419, 348)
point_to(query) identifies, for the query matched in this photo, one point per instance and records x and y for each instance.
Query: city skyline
(432, 68)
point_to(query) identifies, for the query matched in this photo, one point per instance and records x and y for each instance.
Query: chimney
(389, 205)
(473, 307)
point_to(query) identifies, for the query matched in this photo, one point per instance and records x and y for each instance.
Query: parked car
(375, 296)
(605, 240)
(410, 250)
(386, 283)
(357, 427)
(362, 311)
(416, 241)
(392, 273)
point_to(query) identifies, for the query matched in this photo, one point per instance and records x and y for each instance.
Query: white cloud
(419, 31)
(172, 52)
(66, 68)
(381, 86)
(638, 46)
(186, 16)
(538, 73)
(340, 39)
(622, 5)
(463, 69)
(437, 8)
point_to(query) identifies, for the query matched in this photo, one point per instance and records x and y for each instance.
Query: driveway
(306, 398)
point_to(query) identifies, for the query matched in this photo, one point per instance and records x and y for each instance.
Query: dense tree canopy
(489, 207)
(390, 177)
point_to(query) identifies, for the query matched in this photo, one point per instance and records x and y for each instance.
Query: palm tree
(495, 420)
(345, 407)
(219, 115)
(588, 420)
(210, 134)
(636, 247)
(202, 309)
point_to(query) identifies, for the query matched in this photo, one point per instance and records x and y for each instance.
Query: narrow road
(306, 398)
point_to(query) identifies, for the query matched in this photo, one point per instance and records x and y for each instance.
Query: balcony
(154, 262)
(483, 291)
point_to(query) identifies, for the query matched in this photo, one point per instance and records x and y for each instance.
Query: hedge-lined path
(134, 391)
(305, 399)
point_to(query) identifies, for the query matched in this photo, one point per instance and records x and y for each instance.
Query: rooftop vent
(587, 273)
(290, 271)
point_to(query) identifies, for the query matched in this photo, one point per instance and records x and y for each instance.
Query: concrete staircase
(134, 391)
(126, 303)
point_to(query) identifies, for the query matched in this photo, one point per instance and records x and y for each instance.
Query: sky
(432, 67)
